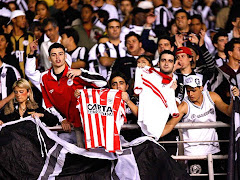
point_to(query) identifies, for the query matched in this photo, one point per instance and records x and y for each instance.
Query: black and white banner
(29, 150)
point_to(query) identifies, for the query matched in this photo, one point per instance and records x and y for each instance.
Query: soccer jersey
(204, 113)
(156, 100)
(102, 113)
(60, 93)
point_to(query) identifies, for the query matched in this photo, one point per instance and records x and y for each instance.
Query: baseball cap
(185, 50)
(193, 81)
(16, 13)
(145, 5)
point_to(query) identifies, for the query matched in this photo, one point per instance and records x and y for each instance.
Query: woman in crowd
(24, 105)
(42, 11)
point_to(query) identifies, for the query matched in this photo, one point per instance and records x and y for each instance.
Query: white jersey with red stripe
(102, 113)
(156, 100)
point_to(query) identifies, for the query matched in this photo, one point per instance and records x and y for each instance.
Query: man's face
(194, 94)
(20, 22)
(51, 32)
(220, 45)
(187, 3)
(86, 15)
(31, 5)
(184, 60)
(119, 83)
(195, 26)
(166, 63)
(164, 44)
(236, 52)
(133, 45)
(59, 4)
(182, 21)
(65, 40)
(57, 57)
(114, 30)
(126, 7)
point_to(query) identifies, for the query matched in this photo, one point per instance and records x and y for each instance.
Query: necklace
(23, 109)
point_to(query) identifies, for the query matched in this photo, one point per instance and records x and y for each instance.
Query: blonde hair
(30, 103)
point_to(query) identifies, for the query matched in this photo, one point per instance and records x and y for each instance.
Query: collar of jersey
(52, 75)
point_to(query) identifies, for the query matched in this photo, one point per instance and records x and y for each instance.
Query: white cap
(193, 81)
(145, 5)
(17, 13)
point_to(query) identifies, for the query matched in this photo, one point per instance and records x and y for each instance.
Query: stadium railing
(180, 126)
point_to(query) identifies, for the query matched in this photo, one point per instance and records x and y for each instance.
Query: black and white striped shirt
(9, 75)
(98, 51)
(162, 16)
(79, 54)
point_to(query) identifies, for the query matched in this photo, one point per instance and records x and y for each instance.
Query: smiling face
(57, 57)
(21, 94)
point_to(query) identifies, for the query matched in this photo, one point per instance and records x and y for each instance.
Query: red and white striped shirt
(102, 113)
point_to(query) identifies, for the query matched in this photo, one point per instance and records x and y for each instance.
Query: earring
(28, 98)
(15, 101)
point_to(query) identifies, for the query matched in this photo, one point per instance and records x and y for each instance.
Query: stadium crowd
(193, 45)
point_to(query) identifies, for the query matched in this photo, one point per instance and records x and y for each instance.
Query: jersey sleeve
(171, 101)
(138, 85)
(44, 93)
(93, 79)
(101, 48)
(33, 75)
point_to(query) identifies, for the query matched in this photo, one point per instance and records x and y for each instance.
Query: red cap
(185, 50)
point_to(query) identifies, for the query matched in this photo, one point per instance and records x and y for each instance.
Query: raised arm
(222, 106)
(182, 108)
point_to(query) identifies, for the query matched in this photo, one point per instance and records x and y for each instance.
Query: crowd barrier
(210, 158)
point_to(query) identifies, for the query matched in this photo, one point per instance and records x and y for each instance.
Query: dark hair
(70, 32)
(69, 2)
(9, 48)
(230, 45)
(36, 24)
(55, 45)
(193, 47)
(182, 11)
(197, 16)
(167, 38)
(4, 20)
(131, 1)
(132, 34)
(147, 58)
(50, 20)
(167, 52)
(88, 6)
(111, 20)
(217, 35)
(116, 74)
(103, 14)
(42, 3)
